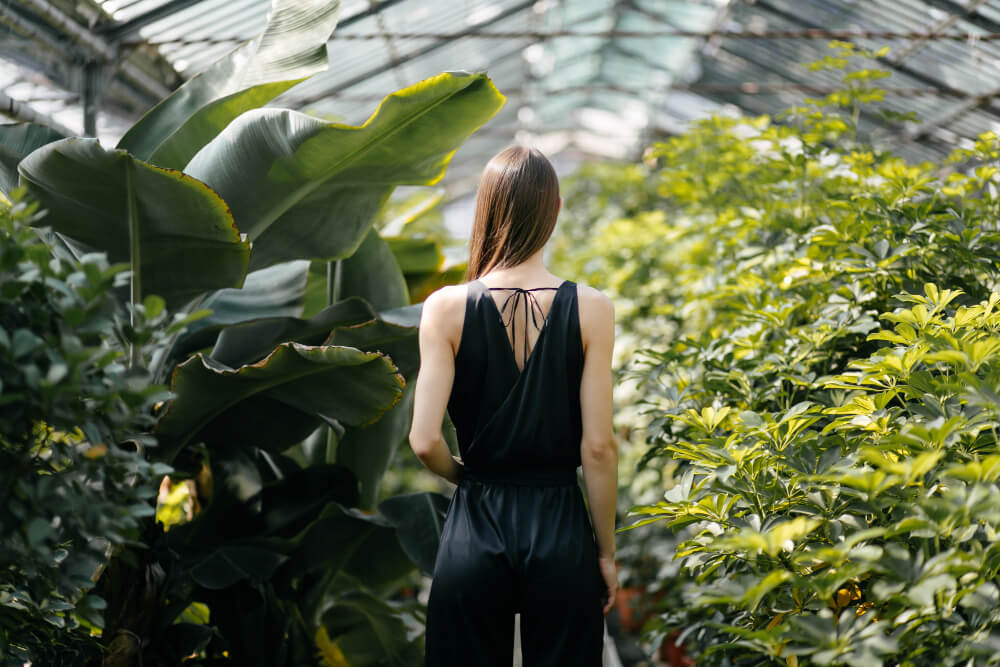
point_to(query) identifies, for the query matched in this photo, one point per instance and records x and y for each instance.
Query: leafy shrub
(74, 484)
(827, 388)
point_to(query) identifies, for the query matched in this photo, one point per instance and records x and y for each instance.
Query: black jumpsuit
(517, 536)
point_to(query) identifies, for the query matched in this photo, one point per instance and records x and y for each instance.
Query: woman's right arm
(598, 448)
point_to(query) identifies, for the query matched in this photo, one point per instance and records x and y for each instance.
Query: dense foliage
(825, 385)
(274, 546)
(73, 425)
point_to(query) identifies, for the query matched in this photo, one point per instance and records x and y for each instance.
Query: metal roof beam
(93, 46)
(119, 31)
(737, 97)
(409, 57)
(987, 24)
(938, 27)
(20, 111)
(619, 6)
(970, 104)
(872, 118)
(903, 69)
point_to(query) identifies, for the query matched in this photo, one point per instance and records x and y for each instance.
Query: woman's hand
(610, 573)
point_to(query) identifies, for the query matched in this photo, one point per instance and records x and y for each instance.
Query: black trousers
(509, 549)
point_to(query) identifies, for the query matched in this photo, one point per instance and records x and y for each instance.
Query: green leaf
(188, 638)
(185, 238)
(304, 188)
(418, 518)
(349, 541)
(373, 274)
(229, 564)
(277, 291)
(249, 341)
(367, 631)
(291, 48)
(17, 140)
(368, 451)
(416, 255)
(398, 340)
(331, 382)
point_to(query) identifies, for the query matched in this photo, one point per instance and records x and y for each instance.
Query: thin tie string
(530, 304)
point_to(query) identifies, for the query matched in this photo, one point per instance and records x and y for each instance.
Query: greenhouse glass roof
(582, 77)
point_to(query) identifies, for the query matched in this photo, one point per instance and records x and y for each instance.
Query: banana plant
(16, 141)
(208, 211)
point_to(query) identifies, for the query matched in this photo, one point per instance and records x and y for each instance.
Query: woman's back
(510, 416)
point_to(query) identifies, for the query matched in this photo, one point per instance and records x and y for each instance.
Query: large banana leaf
(291, 48)
(373, 274)
(349, 541)
(368, 450)
(418, 518)
(243, 510)
(180, 231)
(331, 382)
(416, 255)
(17, 140)
(251, 341)
(301, 187)
(423, 264)
(368, 631)
(382, 335)
(275, 292)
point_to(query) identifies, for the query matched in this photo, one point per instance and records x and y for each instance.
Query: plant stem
(334, 273)
(134, 260)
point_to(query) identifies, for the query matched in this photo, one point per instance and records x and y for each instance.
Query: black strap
(530, 303)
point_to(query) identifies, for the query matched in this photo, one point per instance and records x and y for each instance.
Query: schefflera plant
(831, 399)
(861, 528)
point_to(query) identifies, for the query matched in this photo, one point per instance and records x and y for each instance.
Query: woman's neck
(528, 273)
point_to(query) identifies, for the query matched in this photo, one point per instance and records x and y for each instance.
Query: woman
(529, 404)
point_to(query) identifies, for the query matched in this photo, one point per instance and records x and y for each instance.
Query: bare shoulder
(444, 310)
(444, 299)
(597, 315)
(595, 305)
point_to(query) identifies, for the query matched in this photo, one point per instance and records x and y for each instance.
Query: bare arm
(434, 381)
(598, 448)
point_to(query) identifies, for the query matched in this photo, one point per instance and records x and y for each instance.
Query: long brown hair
(516, 209)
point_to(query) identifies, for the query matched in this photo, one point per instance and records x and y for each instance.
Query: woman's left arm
(434, 381)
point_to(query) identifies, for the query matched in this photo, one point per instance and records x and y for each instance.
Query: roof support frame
(62, 65)
(115, 32)
(987, 24)
(119, 31)
(91, 46)
(955, 112)
(20, 111)
(988, 104)
(617, 11)
(737, 99)
(721, 46)
(938, 27)
(409, 57)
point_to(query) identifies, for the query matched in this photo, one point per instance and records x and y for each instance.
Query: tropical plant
(820, 385)
(286, 424)
(73, 425)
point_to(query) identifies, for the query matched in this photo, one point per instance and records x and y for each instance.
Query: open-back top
(521, 422)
